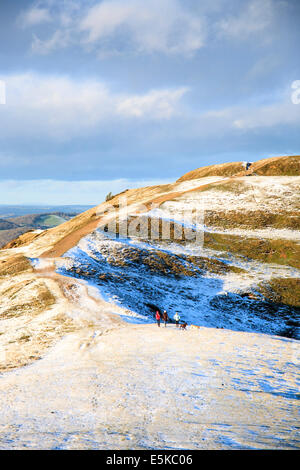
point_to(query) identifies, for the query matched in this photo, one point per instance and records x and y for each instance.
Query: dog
(183, 325)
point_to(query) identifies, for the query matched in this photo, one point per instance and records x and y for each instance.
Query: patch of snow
(200, 300)
(195, 183)
(259, 192)
(198, 389)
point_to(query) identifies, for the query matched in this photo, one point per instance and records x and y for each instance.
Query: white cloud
(62, 107)
(255, 17)
(63, 16)
(34, 16)
(279, 114)
(149, 26)
(264, 66)
(245, 118)
(134, 26)
(58, 40)
(155, 104)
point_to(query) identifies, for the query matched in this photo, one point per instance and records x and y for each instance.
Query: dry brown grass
(36, 295)
(223, 169)
(213, 265)
(12, 238)
(282, 290)
(253, 219)
(31, 341)
(278, 166)
(284, 252)
(14, 265)
(274, 166)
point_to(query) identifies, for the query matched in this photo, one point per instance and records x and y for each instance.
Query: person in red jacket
(157, 316)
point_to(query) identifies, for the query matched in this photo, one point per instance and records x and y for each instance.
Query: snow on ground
(141, 387)
(212, 300)
(195, 183)
(267, 233)
(184, 216)
(268, 193)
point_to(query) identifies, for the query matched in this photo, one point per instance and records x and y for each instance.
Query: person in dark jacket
(165, 317)
(157, 316)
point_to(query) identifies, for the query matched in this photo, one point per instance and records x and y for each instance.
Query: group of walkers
(165, 318)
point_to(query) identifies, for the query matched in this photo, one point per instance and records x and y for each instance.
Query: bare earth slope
(66, 292)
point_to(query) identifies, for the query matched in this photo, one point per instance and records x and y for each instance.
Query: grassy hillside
(282, 252)
(7, 236)
(7, 225)
(282, 291)
(281, 166)
(275, 166)
(224, 169)
(13, 227)
(42, 220)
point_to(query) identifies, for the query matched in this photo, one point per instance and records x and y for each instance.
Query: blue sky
(106, 95)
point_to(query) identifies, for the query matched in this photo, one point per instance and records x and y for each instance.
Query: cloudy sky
(106, 95)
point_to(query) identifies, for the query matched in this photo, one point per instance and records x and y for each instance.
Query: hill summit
(275, 166)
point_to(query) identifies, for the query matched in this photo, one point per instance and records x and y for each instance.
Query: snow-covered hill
(221, 247)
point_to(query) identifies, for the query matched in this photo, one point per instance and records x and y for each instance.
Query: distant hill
(10, 211)
(42, 221)
(7, 236)
(7, 225)
(13, 227)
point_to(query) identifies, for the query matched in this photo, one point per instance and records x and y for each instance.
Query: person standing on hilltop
(157, 316)
(176, 318)
(165, 317)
